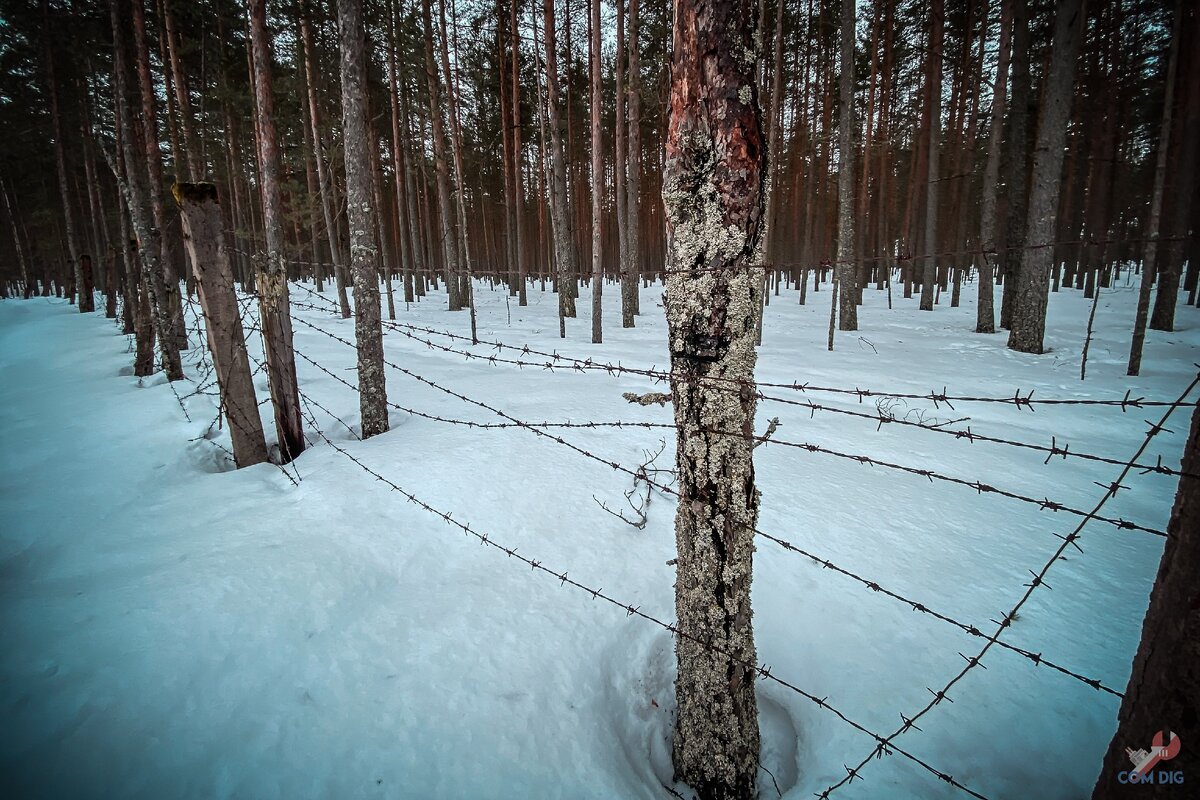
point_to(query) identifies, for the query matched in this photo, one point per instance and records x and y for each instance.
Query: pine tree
(713, 194)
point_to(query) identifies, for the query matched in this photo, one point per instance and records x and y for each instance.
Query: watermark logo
(1164, 747)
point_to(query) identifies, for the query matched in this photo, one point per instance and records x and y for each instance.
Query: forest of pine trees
(738, 153)
(944, 147)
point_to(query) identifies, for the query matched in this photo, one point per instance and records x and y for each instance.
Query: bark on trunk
(1153, 222)
(137, 198)
(934, 121)
(633, 180)
(620, 161)
(445, 213)
(271, 276)
(364, 258)
(324, 179)
(1016, 156)
(564, 244)
(597, 178)
(1181, 181)
(152, 153)
(86, 301)
(985, 316)
(1162, 700)
(1029, 312)
(713, 198)
(204, 238)
(847, 269)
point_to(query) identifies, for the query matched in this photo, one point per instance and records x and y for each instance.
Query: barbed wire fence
(883, 415)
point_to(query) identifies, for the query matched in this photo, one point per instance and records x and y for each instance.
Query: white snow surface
(173, 628)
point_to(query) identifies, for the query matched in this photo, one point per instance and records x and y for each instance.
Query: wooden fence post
(203, 237)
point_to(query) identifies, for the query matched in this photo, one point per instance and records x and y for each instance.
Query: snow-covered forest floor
(172, 628)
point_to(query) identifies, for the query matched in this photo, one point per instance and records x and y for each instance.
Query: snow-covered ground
(171, 628)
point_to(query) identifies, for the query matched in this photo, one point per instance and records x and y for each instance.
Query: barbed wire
(564, 579)
(1017, 399)
(884, 744)
(1038, 579)
(221, 409)
(1044, 503)
(1035, 658)
(880, 417)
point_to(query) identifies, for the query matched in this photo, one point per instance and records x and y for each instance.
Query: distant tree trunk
(1163, 694)
(204, 238)
(86, 301)
(629, 280)
(195, 164)
(137, 197)
(1153, 221)
(847, 268)
(324, 179)
(713, 198)
(368, 332)
(152, 154)
(933, 114)
(456, 140)
(771, 201)
(597, 177)
(985, 321)
(633, 181)
(271, 277)
(564, 244)
(26, 283)
(1029, 313)
(399, 163)
(518, 187)
(1016, 157)
(445, 213)
(1181, 180)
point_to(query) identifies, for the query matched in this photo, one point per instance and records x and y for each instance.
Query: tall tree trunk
(271, 277)
(445, 214)
(1016, 157)
(460, 183)
(847, 267)
(564, 244)
(86, 301)
(1029, 313)
(713, 198)
(597, 176)
(137, 197)
(399, 166)
(1162, 700)
(629, 280)
(633, 180)
(364, 258)
(175, 332)
(1153, 221)
(518, 187)
(324, 179)
(1181, 181)
(985, 316)
(933, 118)
(22, 262)
(195, 164)
(204, 238)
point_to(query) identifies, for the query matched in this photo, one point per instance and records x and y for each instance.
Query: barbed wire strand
(1038, 579)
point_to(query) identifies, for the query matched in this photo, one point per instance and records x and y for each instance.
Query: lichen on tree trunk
(713, 196)
(364, 258)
